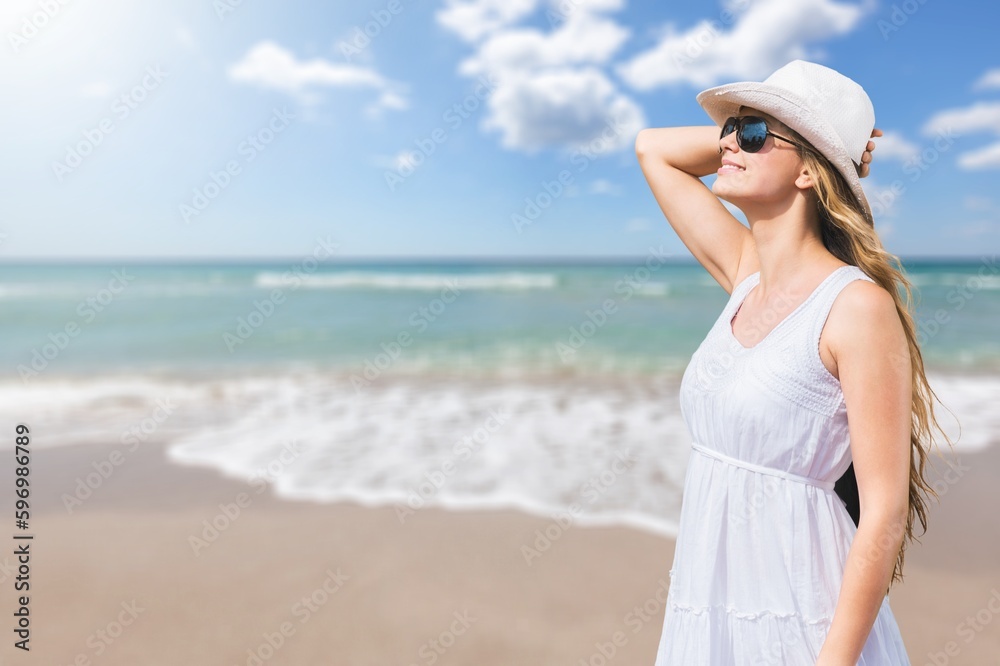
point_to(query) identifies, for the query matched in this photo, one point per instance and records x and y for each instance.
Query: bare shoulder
(863, 321)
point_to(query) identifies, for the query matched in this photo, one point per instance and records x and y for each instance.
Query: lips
(730, 167)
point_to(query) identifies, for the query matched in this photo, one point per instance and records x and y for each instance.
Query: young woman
(811, 370)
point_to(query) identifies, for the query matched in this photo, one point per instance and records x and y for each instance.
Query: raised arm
(673, 159)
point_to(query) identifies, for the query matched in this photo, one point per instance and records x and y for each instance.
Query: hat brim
(724, 101)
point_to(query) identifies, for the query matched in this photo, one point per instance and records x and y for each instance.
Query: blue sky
(245, 128)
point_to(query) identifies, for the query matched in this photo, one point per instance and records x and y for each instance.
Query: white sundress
(763, 538)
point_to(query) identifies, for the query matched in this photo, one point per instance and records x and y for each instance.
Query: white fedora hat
(829, 110)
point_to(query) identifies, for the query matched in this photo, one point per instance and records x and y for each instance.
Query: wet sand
(136, 575)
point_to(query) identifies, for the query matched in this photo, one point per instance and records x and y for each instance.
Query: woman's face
(762, 180)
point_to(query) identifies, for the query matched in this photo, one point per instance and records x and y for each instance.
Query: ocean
(545, 386)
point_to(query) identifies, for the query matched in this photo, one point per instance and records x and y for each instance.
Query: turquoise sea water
(539, 387)
(628, 317)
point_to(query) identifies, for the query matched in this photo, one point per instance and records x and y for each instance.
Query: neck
(789, 248)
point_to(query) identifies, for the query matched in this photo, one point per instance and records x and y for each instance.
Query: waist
(761, 469)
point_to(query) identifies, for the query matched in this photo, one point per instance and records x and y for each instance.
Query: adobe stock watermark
(899, 15)
(248, 149)
(782, 651)
(121, 108)
(958, 296)
(929, 327)
(264, 309)
(223, 8)
(636, 619)
(768, 488)
(594, 320)
(420, 319)
(87, 310)
(551, 190)
(891, 538)
(453, 117)
(362, 36)
(592, 490)
(101, 640)
(435, 647)
(105, 468)
(719, 367)
(304, 609)
(212, 529)
(8, 570)
(915, 167)
(33, 23)
(462, 451)
(968, 629)
(700, 41)
(558, 13)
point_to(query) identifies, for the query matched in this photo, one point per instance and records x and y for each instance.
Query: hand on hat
(866, 157)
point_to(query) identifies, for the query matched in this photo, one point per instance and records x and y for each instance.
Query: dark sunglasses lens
(753, 134)
(728, 127)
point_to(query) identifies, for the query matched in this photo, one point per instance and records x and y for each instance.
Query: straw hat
(829, 110)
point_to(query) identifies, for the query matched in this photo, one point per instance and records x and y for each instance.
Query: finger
(876, 132)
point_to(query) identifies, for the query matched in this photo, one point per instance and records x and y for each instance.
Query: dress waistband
(826, 485)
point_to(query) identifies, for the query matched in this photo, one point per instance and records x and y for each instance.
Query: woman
(769, 567)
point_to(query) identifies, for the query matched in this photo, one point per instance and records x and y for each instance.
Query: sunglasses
(751, 133)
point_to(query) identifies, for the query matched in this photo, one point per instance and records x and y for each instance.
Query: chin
(725, 194)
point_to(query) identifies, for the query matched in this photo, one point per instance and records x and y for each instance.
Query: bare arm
(673, 159)
(868, 342)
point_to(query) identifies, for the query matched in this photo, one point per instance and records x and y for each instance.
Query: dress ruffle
(716, 635)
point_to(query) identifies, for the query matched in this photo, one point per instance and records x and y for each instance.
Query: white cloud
(579, 109)
(405, 159)
(270, 66)
(185, 38)
(893, 146)
(978, 118)
(565, 8)
(984, 158)
(990, 79)
(583, 38)
(981, 116)
(96, 89)
(552, 90)
(604, 186)
(473, 19)
(762, 38)
(977, 203)
(392, 162)
(637, 224)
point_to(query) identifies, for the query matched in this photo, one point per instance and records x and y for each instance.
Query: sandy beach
(124, 579)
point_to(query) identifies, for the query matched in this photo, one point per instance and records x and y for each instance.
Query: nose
(728, 141)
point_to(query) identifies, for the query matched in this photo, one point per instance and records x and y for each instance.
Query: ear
(804, 181)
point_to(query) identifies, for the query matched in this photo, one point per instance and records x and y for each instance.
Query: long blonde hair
(847, 234)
